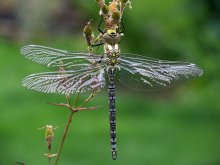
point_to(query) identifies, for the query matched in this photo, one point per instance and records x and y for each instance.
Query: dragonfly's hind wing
(52, 57)
(67, 82)
(143, 73)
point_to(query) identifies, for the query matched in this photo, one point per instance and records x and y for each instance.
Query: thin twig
(88, 99)
(73, 110)
(76, 100)
(68, 99)
(91, 108)
(60, 105)
(49, 160)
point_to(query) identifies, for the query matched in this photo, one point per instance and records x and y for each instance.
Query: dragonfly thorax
(113, 53)
(111, 41)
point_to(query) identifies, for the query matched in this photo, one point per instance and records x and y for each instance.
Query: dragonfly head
(111, 37)
(112, 33)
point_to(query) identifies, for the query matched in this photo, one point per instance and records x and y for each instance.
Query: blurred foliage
(178, 126)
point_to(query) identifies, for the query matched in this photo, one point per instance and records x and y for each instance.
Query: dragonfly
(87, 71)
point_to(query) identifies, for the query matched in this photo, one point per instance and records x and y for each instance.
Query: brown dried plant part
(73, 109)
(112, 15)
(101, 3)
(88, 34)
(113, 6)
(50, 155)
(49, 136)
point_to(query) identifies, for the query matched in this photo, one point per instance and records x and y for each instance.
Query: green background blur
(178, 126)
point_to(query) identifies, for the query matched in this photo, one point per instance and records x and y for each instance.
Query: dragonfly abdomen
(112, 113)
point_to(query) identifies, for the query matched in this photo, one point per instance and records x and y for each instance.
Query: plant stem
(64, 137)
(76, 100)
(49, 158)
(49, 161)
(72, 111)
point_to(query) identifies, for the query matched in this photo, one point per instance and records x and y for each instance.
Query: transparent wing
(55, 58)
(67, 82)
(143, 73)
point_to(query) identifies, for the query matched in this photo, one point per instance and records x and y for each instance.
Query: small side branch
(60, 105)
(73, 109)
(89, 109)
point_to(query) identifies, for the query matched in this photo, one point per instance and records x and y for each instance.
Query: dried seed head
(101, 2)
(87, 31)
(113, 6)
(49, 135)
(49, 131)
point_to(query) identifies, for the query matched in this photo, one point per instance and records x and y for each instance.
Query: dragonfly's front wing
(143, 73)
(68, 82)
(52, 57)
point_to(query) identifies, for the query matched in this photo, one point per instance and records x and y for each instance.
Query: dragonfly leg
(99, 44)
(99, 28)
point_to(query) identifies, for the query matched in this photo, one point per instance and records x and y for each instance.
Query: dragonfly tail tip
(114, 155)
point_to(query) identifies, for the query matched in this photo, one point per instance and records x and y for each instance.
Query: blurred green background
(178, 126)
